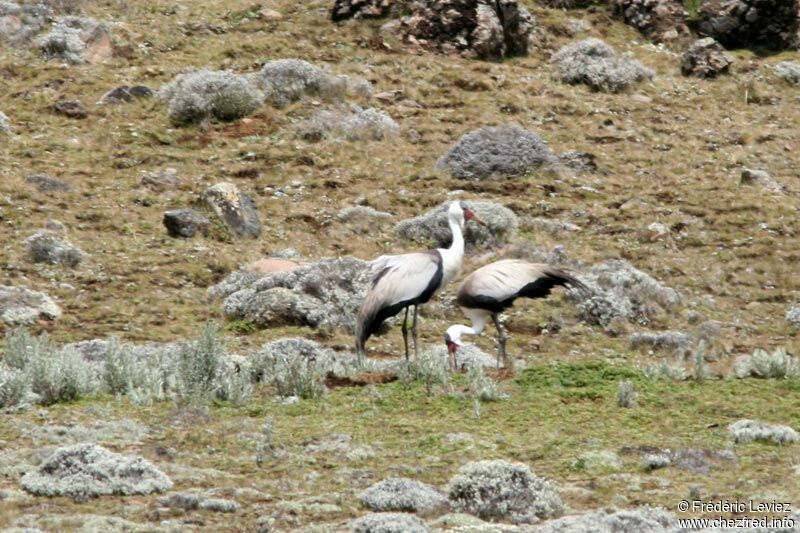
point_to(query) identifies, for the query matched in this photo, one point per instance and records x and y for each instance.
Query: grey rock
(615, 290)
(403, 494)
(125, 93)
(86, 470)
(793, 315)
(186, 223)
(45, 183)
(18, 23)
(389, 523)
(327, 293)
(789, 71)
(5, 124)
(45, 247)
(660, 20)
(76, 40)
(761, 178)
(495, 152)
(502, 490)
(580, 162)
(433, 226)
(235, 208)
(22, 306)
(745, 23)
(162, 180)
(705, 58)
(71, 108)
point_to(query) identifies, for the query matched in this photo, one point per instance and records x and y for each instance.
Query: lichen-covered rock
(793, 315)
(235, 208)
(594, 63)
(324, 294)
(45, 247)
(474, 28)
(71, 108)
(615, 290)
(20, 22)
(87, 470)
(77, 40)
(502, 490)
(660, 20)
(743, 431)
(433, 226)
(389, 523)
(639, 520)
(185, 223)
(124, 93)
(495, 152)
(20, 306)
(743, 23)
(705, 58)
(45, 183)
(197, 96)
(788, 71)
(403, 494)
(5, 124)
(358, 9)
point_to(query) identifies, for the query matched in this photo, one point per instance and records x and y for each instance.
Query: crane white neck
(454, 255)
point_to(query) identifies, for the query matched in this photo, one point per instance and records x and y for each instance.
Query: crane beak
(469, 214)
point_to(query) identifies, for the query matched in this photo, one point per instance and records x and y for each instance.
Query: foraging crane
(402, 281)
(493, 288)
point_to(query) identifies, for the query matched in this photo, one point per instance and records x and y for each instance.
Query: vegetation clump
(86, 470)
(389, 523)
(595, 64)
(503, 490)
(743, 431)
(200, 95)
(402, 494)
(495, 152)
(761, 364)
(356, 124)
(284, 81)
(68, 37)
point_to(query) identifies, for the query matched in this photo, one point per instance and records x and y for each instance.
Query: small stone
(124, 93)
(71, 108)
(657, 231)
(186, 223)
(759, 177)
(161, 180)
(45, 183)
(45, 247)
(270, 15)
(235, 208)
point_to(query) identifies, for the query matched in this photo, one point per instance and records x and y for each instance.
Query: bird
(409, 280)
(492, 289)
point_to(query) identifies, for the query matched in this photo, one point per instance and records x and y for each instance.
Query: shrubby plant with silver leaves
(355, 124)
(197, 96)
(743, 431)
(762, 364)
(594, 63)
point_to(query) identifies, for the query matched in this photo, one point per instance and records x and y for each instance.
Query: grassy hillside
(676, 145)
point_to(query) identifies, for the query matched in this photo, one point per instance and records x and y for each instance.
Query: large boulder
(86, 470)
(495, 152)
(473, 28)
(741, 23)
(660, 20)
(500, 489)
(433, 226)
(327, 293)
(705, 58)
(235, 208)
(21, 306)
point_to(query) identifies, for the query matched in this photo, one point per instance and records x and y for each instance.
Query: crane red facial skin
(469, 214)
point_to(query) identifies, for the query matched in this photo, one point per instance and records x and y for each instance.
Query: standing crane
(410, 280)
(492, 289)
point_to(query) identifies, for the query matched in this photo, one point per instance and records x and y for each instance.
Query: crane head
(469, 214)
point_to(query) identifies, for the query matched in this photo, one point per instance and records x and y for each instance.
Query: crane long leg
(414, 333)
(501, 338)
(405, 332)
